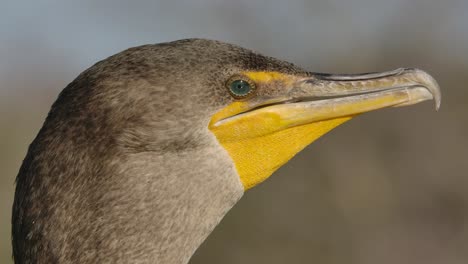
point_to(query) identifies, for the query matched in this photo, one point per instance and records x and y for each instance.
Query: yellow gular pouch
(257, 152)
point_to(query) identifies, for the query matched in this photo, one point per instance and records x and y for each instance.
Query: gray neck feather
(142, 208)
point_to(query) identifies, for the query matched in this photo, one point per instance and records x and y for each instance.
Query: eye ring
(240, 87)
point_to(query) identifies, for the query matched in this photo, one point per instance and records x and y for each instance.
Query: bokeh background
(387, 187)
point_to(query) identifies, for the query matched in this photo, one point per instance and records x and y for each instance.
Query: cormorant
(143, 154)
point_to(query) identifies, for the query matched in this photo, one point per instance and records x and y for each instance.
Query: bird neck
(144, 207)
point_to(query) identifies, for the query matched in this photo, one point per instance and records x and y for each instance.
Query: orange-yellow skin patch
(265, 77)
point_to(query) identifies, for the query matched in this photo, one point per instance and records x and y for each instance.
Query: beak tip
(437, 105)
(431, 84)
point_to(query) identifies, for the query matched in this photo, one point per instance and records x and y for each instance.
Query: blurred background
(388, 187)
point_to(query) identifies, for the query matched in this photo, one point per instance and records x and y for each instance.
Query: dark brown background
(387, 187)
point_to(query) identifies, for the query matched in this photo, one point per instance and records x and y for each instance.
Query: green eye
(240, 87)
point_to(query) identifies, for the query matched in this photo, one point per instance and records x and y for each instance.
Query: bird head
(143, 153)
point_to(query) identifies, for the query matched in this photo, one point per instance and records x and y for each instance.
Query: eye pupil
(240, 88)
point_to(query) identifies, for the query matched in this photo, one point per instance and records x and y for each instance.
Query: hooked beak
(321, 96)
